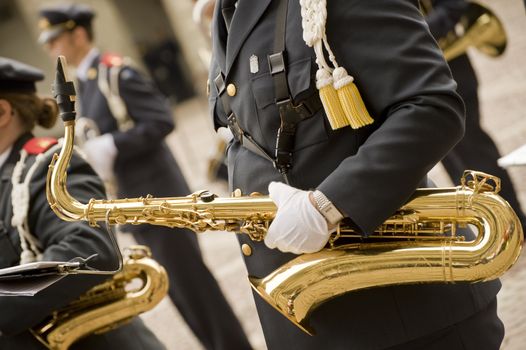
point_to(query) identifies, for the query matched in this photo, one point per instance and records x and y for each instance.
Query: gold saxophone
(419, 243)
(107, 305)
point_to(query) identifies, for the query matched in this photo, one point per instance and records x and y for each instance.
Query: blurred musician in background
(476, 150)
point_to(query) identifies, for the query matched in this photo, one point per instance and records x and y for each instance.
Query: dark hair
(32, 109)
(89, 30)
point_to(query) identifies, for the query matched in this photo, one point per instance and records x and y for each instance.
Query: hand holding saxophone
(298, 227)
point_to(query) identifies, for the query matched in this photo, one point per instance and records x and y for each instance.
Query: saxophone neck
(62, 203)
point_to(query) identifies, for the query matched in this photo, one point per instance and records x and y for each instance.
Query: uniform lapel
(219, 37)
(15, 150)
(242, 25)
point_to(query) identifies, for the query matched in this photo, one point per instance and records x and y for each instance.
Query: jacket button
(231, 90)
(246, 249)
(92, 73)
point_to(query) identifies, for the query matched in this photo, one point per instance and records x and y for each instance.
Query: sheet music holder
(29, 279)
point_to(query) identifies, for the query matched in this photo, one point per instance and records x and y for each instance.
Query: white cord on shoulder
(110, 90)
(31, 248)
(313, 22)
(339, 95)
(20, 203)
(313, 19)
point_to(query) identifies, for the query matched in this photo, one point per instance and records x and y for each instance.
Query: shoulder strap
(277, 59)
(287, 111)
(108, 82)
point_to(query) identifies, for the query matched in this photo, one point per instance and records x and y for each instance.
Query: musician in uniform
(476, 150)
(133, 119)
(30, 231)
(263, 87)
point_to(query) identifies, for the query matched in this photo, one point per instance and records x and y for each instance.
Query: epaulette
(111, 60)
(38, 145)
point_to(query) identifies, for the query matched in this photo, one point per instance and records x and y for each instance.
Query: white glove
(298, 226)
(100, 153)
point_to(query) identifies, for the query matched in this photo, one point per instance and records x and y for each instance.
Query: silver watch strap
(326, 208)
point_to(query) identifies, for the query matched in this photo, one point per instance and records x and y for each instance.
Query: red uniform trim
(39, 145)
(111, 59)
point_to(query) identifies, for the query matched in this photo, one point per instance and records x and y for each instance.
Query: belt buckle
(234, 127)
(303, 110)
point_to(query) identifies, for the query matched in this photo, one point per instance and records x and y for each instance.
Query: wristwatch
(326, 208)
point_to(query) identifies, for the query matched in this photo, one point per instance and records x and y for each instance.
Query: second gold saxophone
(137, 288)
(420, 243)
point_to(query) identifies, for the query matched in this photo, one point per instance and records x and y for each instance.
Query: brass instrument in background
(418, 244)
(109, 304)
(478, 27)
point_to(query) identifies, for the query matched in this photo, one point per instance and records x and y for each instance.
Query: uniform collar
(4, 155)
(246, 17)
(86, 63)
(226, 45)
(14, 154)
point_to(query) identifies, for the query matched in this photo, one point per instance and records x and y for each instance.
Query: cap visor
(49, 34)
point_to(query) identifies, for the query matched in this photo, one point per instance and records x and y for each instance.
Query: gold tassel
(330, 100)
(350, 99)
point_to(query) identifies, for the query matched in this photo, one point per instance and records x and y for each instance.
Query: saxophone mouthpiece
(64, 91)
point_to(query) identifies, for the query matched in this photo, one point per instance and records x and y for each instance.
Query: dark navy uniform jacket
(61, 241)
(144, 164)
(367, 173)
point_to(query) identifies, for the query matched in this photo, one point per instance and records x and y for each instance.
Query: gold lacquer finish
(420, 243)
(425, 247)
(107, 305)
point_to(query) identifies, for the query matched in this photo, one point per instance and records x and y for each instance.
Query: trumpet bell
(478, 27)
